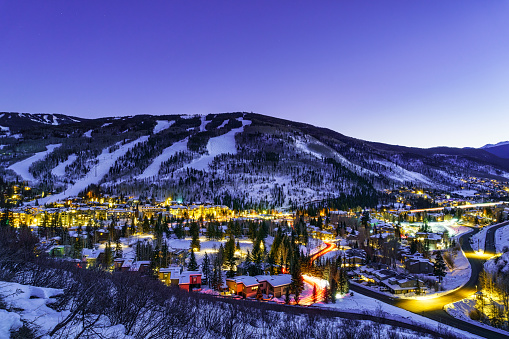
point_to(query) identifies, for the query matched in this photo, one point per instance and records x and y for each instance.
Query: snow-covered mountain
(502, 143)
(231, 158)
(500, 149)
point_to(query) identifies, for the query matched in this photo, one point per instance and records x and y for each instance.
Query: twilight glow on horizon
(413, 73)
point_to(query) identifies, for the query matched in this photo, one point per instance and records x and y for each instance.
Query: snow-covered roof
(245, 280)
(185, 277)
(275, 280)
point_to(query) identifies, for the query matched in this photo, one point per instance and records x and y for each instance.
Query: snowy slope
(502, 143)
(59, 171)
(153, 169)
(105, 162)
(21, 168)
(162, 125)
(400, 174)
(305, 147)
(219, 145)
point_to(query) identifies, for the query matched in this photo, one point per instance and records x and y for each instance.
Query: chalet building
(91, 256)
(174, 276)
(170, 275)
(419, 265)
(401, 284)
(434, 239)
(190, 280)
(275, 285)
(141, 266)
(245, 286)
(354, 257)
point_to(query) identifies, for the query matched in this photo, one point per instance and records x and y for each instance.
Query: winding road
(433, 308)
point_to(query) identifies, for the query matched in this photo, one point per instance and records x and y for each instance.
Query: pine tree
(287, 296)
(439, 268)
(206, 269)
(108, 256)
(195, 235)
(118, 249)
(192, 265)
(315, 294)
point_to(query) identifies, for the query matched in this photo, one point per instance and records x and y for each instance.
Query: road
(433, 308)
(320, 295)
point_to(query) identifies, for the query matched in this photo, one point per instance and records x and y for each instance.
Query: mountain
(23, 120)
(500, 149)
(238, 159)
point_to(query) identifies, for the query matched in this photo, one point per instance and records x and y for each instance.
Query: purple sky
(417, 73)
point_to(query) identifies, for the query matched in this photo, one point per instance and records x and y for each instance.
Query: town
(310, 257)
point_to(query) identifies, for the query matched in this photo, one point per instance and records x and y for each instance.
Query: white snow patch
(106, 124)
(501, 238)
(21, 168)
(458, 276)
(3, 128)
(105, 161)
(219, 145)
(303, 146)
(502, 143)
(461, 310)
(59, 170)
(88, 134)
(400, 174)
(162, 125)
(203, 123)
(223, 124)
(153, 169)
(465, 193)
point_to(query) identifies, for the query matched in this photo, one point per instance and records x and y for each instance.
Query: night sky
(416, 73)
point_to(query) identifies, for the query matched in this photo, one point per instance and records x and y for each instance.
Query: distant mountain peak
(502, 143)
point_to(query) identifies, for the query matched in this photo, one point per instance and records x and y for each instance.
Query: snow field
(59, 170)
(162, 125)
(153, 169)
(105, 162)
(218, 145)
(501, 238)
(21, 167)
(400, 174)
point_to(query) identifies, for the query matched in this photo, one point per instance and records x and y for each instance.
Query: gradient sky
(416, 73)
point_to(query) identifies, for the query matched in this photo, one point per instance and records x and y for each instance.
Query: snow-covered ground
(218, 145)
(105, 161)
(461, 310)
(153, 169)
(502, 238)
(88, 134)
(465, 193)
(498, 265)
(29, 304)
(454, 229)
(162, 125)
(398, 173)
(459, 275)
(21, 168)
(59, 170)
(359, 303)
(212, 246)
(305, 145)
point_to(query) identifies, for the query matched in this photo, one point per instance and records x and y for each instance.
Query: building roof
(275, 280)
(245, 280)
(185, 277)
